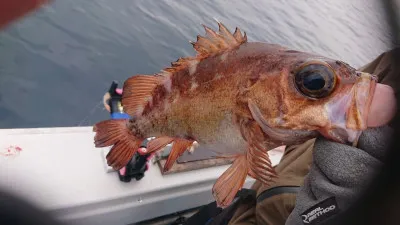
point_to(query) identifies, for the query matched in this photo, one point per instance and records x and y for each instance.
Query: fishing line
(92, 111)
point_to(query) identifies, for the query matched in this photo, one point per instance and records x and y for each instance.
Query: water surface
(56, 64)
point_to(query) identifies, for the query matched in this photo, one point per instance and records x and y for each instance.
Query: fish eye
(315, 79)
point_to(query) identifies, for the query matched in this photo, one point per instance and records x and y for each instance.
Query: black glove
(338, 175)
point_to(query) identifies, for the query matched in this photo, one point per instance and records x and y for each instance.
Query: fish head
(310, 95)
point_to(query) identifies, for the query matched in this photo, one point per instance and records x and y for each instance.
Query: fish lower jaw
(342, 135)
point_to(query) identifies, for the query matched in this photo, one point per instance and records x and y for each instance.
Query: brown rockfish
(242, 99)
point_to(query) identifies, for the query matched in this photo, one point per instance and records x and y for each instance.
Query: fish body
(240, 99)
(201, 102)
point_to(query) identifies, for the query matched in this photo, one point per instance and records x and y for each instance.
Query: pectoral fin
(255, 163)
(230, 182)
(260, 167)
(257, 158)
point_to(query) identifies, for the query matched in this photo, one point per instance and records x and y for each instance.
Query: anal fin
(259, 163)
(158, 143)
(230, 182)
(178, 148)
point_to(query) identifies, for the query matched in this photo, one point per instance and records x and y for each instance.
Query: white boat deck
(60, 170)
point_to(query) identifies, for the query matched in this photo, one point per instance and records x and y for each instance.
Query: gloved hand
(339, 174)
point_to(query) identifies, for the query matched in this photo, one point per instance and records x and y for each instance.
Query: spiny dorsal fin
(217, 42)
(138, 89)
(211, 44)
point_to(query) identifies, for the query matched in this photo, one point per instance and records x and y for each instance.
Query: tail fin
(115, 132)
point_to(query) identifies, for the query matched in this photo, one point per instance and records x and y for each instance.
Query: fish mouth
(365, 104)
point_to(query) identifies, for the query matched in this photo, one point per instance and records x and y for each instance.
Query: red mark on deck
(11, 150)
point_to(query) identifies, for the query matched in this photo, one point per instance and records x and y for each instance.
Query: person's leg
(245, 214)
